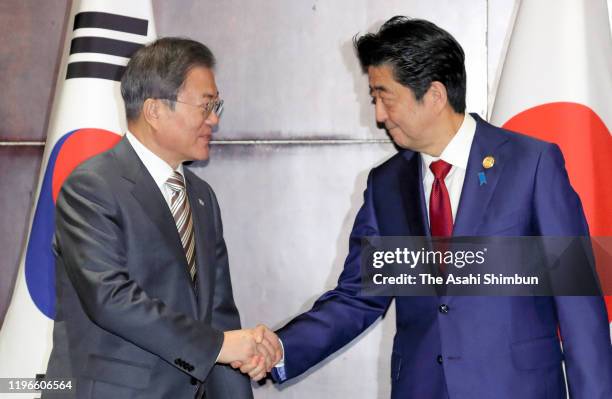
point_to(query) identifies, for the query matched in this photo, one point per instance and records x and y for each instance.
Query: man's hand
(269, 344)
(254, 351)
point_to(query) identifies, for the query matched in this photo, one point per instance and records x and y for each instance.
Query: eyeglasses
(215, 106)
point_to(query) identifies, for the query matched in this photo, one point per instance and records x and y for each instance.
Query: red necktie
(440, 214)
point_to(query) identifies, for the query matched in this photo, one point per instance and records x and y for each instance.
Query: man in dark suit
(145, 303)
(456, 175)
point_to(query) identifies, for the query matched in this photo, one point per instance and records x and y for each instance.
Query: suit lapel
(475, 197)
(412, 202)
(147, 193)
(413, 196)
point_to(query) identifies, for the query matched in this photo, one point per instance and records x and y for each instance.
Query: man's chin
(202, 154)
(398, 138)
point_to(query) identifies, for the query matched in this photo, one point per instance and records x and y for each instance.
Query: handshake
(254, 351)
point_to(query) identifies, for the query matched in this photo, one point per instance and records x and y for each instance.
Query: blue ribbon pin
(482, 178)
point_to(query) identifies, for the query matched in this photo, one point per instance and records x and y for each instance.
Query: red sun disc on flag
(586, 144)
(587, 147)
(79, 147)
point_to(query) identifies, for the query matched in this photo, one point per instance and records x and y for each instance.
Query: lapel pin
(482, 178)
(200, 201)
(488, 162)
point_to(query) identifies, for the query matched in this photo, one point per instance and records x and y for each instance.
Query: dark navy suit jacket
(475, 347)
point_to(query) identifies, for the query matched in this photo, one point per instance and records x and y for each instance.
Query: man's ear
(151, 112)
(437, 95)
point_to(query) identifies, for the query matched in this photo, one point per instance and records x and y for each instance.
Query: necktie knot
(176, 182)
(440, 169)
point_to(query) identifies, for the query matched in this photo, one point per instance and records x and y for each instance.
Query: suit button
(440, 359)
(193, 381)
(443, 308)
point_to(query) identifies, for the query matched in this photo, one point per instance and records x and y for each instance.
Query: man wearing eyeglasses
(145, 303)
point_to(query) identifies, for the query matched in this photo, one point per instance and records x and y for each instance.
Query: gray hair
(159, 69)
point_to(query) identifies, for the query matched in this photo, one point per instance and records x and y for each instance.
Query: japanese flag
(556, 84)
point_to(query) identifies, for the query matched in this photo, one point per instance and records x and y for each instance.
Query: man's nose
(212, 119)
(381, 112)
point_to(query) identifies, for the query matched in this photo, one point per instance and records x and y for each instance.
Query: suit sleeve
(339, 315)
(582, 320)
(91, 241)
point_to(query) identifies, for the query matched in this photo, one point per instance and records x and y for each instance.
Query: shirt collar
(457, 151)
(157, 167)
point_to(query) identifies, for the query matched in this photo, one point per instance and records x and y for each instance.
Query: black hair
(419, 53)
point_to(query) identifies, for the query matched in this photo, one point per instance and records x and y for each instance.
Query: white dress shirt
(456, 153)
(157, 167)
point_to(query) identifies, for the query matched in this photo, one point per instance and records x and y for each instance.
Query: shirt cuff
(281, 363)
(279, 369)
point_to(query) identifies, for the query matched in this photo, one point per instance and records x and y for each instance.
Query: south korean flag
(87, 118)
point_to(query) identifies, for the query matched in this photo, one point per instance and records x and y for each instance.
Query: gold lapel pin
(488, 162)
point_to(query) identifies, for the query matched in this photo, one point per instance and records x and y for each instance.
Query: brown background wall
(32, 33)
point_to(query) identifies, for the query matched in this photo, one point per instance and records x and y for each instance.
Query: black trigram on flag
(112, 40)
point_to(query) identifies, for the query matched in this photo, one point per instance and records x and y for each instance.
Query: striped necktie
(181, 211)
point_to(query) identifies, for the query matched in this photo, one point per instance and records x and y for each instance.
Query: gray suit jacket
(129, 324)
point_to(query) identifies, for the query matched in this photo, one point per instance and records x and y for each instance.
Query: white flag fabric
(87, 118)
(556, 84)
